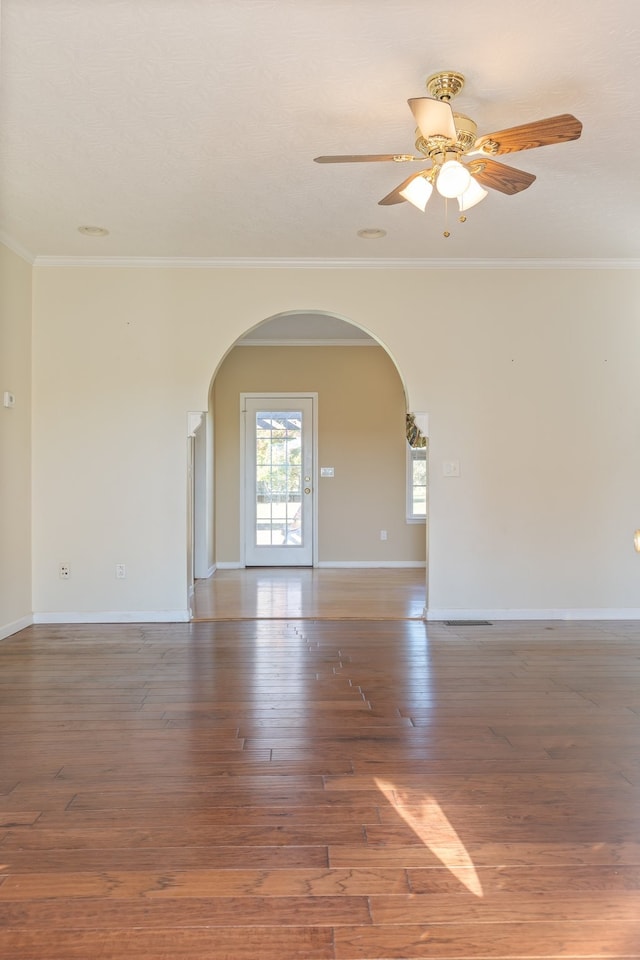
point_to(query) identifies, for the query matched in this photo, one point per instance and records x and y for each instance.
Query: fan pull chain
(461, 219)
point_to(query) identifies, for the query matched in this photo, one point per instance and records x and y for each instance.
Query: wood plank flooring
(376, 593)
(320, 790)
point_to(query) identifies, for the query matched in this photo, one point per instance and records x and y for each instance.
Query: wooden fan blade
(539, 134)
(368, 158)
(498, 176)
(394, 196)
(434, 118)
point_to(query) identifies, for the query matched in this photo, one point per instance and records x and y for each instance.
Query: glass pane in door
(278, 478)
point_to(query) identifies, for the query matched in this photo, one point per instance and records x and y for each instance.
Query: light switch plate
(327, 472)
(8, 399)
(451, 468)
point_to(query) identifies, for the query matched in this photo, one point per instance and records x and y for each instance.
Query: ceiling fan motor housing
(467, 131)
(438, 146)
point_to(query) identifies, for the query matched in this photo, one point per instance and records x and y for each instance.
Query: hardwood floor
(320, 790)
(376, 593)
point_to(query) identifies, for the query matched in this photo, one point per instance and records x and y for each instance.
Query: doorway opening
(354, 515)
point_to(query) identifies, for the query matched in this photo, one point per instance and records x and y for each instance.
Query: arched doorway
(363, 534)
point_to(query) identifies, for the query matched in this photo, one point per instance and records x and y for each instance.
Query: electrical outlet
(64, 571)
(121, 571)
(383, 534)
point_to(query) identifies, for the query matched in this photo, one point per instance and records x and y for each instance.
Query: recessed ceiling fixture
(444, 138)
(372, 233)
(89, 231)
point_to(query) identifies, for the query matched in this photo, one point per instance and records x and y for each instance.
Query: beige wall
(15, 443)
(529, 378)
(361, 433)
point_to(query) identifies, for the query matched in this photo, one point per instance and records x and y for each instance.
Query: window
(416, 484)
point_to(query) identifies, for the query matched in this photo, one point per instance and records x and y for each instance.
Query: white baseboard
(380, 564)
(343, 564)
(8, 629)
(115, 616)
(580, 613)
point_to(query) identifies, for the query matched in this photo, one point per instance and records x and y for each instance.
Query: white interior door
(279, 480)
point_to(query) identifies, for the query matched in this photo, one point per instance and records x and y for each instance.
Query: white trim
(8, 629)
(365, 564)
(115, 616)
(273, 263)
(580, 613)
(210, 572)
(17, 248)
(194, 421)
(347, 564)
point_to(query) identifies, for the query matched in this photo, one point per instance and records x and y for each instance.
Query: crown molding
(17, 249)
(273, 263)
(321, 263)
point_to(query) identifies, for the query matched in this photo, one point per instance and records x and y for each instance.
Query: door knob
(307, 489)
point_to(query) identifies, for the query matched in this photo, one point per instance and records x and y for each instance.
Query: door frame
(270, 395)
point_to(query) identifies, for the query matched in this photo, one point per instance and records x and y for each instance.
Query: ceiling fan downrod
(445, 85)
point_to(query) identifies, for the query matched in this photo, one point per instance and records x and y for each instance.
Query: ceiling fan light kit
(472, 195)
(453, 179)
(445, 139)
(418, 191)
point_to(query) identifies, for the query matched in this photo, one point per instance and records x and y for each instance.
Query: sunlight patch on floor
(429, 823)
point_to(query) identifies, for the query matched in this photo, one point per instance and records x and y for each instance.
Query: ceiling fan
(444, 138)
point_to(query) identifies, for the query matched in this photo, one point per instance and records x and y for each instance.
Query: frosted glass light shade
(417, 192)
(636, 540)
(453, 179)
(472, 195)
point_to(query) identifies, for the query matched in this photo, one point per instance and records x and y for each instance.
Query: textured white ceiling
(188, 128)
